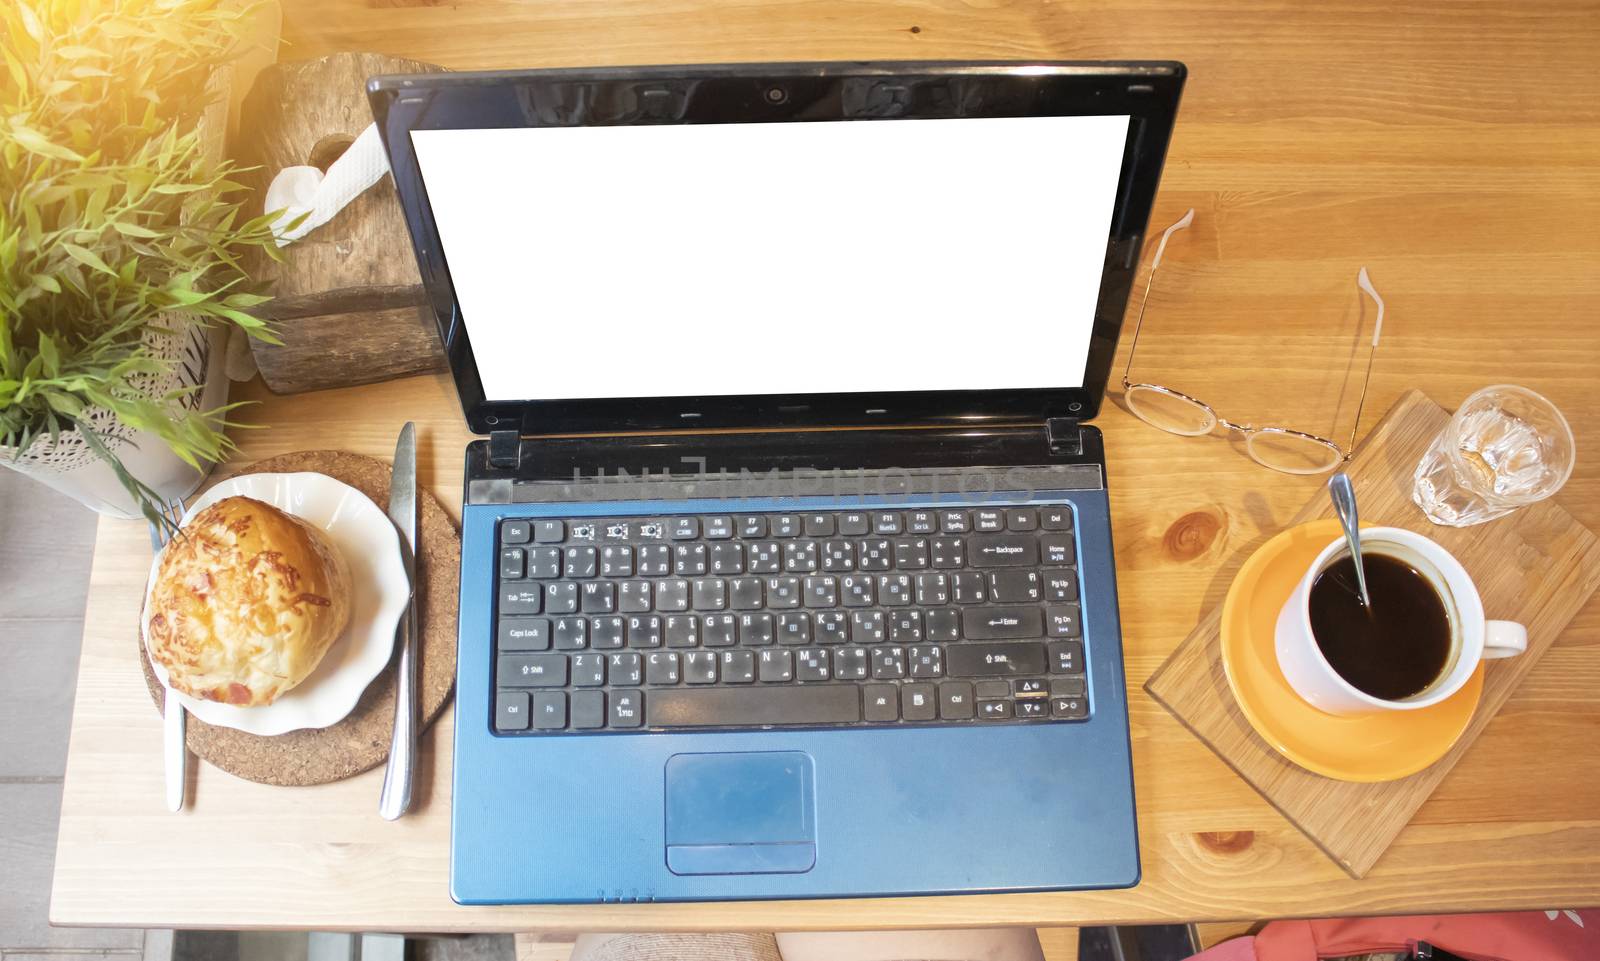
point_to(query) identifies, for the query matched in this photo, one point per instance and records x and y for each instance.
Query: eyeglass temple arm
(1365, 283)
(1161, 248)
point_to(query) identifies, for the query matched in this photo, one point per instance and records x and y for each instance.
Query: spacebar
(752, 706)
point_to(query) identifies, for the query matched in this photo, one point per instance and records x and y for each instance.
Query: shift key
(532, 670)
(993, 660)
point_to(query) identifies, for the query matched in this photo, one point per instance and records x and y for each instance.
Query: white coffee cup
(1472, 638)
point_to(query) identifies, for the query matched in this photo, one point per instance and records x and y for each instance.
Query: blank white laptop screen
(776, 258)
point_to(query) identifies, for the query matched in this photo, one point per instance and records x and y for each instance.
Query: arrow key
(994, 710)
(1071, 708)
(1032, 707)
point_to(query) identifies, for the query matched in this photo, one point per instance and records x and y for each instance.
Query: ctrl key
(511, 711)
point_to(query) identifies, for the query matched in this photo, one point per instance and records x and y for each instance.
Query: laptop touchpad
(740, 813)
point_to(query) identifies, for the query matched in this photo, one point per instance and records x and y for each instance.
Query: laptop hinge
(1064, 435)
(505, 449)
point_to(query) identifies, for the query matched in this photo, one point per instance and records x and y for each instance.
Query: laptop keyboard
(836, 618)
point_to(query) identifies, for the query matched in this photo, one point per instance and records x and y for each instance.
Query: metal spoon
(1344, 504)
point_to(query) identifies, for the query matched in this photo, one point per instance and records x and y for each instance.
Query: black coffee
(1397, 648)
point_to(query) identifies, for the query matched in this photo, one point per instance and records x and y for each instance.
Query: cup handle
(1504, 639)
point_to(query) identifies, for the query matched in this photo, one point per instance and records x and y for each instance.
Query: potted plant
(121, 236)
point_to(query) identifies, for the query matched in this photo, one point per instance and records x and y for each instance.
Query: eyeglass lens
(1169, 411)
(1291, 453)
(1279, 450)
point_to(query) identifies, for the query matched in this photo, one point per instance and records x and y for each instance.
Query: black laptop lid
(779, 244)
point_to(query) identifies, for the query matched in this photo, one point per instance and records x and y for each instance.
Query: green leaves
(30, 21)
(134, 230)
(147, 499)
(19, 76)
(32, 140)
(117, 225)
(50, 356)
(87, 257)
(73, 51)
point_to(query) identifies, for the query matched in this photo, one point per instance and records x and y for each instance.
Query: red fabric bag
(1511, 936)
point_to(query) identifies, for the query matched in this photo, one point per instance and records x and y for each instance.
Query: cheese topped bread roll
(247, 600)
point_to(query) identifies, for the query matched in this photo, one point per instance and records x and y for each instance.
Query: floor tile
(27, 851)
(45, 542)
(38, 672)
(158, 944)
(275, 946)
(384, 947)
(473, 947)
(206, 946)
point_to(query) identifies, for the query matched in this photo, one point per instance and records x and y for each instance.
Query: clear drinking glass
(1505, 448)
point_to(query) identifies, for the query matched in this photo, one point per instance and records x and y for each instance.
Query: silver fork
(172, 713)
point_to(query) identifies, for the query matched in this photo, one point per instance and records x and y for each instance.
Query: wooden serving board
(360, 741)
(1537, 566)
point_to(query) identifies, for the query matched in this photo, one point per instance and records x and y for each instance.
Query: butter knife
(398, 776)
(174, 749)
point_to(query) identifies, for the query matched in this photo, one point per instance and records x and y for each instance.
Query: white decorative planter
(71, 467)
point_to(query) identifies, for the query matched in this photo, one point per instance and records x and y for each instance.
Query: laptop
(786, 556)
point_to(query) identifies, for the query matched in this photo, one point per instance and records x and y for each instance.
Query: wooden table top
(1449, 148)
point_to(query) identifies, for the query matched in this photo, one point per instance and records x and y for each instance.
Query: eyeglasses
(1278, 448)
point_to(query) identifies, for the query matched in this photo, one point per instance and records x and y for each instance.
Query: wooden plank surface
(1537, 567)
(1059, 944)
(1444, 145)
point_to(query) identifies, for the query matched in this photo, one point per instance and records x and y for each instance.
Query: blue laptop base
(799, 813)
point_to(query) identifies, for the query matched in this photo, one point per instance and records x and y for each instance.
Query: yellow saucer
(1381, 746)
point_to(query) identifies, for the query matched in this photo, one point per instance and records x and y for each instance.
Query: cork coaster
(360, 742)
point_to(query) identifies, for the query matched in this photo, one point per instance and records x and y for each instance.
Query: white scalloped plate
(371, 546)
